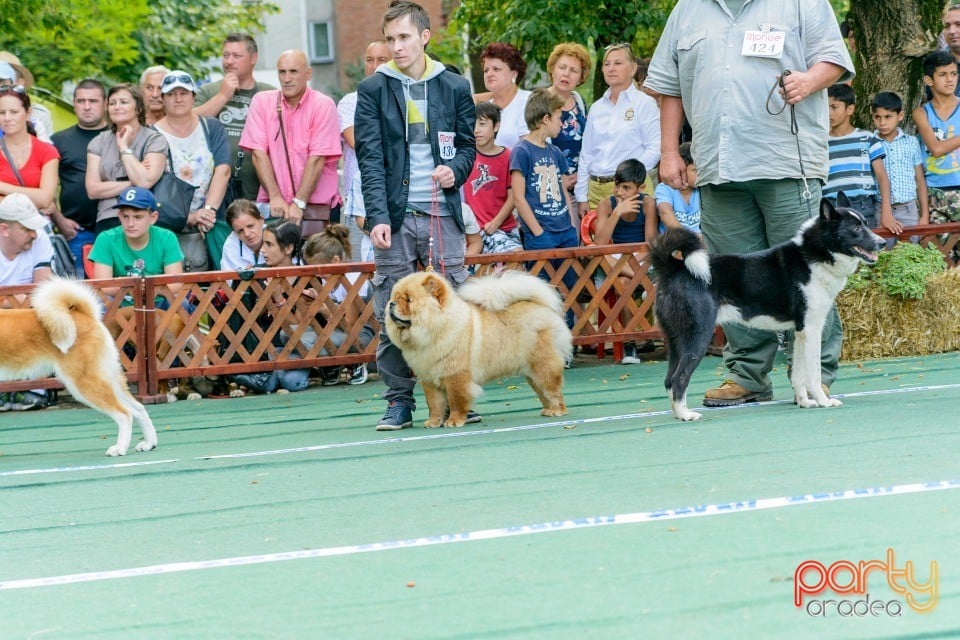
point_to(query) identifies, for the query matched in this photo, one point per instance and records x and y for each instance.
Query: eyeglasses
(14, 88)
(170, 79)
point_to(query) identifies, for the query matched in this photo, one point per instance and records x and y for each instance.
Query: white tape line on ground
(91, 467)
(488, 534)
(528, 427)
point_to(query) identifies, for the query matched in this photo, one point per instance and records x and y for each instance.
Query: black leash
(794, 129)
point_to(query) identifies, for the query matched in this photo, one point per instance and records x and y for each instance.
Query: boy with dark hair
(627, 216)
(680, 207)
(536, 176)
(938, 125)
(903, 162)
(856, 161)
(487, 190)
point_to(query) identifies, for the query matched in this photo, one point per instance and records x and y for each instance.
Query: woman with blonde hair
(624, 123)
(569, 67)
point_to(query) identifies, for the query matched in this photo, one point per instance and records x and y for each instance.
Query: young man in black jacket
(415, 147)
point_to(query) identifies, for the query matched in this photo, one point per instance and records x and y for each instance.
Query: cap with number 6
(137, 198)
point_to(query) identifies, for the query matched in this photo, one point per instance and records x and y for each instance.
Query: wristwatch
(127, 152)
(210, 207)
(300, 203)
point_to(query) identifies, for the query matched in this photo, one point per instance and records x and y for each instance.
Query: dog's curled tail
(55, 300)
(679, 248)
(496, 293)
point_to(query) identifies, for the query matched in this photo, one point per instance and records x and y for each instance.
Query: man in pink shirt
(294, 138)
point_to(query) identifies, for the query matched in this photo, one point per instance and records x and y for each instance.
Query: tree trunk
(891, 40)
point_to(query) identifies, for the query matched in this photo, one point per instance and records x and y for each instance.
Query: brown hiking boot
(730, 394)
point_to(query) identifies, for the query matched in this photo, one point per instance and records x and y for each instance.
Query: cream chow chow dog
(494, 326)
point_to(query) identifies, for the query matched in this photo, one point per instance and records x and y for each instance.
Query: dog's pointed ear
(827, 210)
(677, 254)
(843, 200)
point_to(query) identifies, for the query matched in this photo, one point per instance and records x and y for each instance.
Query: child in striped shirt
(856, 160)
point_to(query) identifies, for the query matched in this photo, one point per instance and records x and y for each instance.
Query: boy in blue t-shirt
(536, 171)
(680, 207)
(856, 161)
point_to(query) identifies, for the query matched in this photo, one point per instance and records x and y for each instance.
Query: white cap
(17, 207)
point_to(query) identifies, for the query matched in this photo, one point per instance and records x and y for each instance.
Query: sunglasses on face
(180, 77)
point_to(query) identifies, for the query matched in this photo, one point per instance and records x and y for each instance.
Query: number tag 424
(763, 44)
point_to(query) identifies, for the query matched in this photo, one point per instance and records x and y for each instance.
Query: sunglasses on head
(12, 87)
(619, 45)
(180, 77)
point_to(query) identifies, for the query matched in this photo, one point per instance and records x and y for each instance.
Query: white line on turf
(479, 432)
(756, 504)
(461, 434)
(89, 467)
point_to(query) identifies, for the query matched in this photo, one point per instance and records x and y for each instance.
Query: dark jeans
(555, 240)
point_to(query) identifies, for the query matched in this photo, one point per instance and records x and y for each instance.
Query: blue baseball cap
(137, 198)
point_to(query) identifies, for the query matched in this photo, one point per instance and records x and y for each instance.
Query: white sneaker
(630, 354)
(359, 375)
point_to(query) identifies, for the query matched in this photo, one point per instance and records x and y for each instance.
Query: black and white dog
(789, 286)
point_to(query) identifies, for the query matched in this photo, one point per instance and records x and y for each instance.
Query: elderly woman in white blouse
(623, 124)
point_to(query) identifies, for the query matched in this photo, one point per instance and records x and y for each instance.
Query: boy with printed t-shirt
(537, 169)
(536, 176)
(856, 161)
(487, 190)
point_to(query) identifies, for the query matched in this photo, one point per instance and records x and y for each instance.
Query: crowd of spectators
(652, 151)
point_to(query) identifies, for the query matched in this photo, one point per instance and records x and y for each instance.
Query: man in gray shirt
(229, 99)
(715, 65)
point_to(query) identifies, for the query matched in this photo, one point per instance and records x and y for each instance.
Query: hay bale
(876, 325)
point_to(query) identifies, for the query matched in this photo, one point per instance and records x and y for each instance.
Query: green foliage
(187, 35)
(902, 272)
(96, 41)
(14, 15)
(114, 40)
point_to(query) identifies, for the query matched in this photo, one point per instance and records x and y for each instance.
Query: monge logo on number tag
(447, 150)
(763, 44)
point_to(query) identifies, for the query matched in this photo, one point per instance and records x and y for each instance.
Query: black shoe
(629, 354)
(330, 376)
(472, 417)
